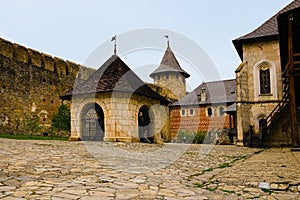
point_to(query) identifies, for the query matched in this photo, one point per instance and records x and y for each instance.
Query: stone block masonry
(30, 85)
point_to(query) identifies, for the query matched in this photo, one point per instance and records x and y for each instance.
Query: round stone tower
(170, 75)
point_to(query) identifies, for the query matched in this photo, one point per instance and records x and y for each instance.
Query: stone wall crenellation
(31, 83)
(39, 59)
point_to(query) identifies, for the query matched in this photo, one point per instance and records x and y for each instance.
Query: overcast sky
(73, 29)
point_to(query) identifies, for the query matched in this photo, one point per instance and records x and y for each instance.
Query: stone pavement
(86, 170)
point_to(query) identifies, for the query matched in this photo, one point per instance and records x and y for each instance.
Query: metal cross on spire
(168, 41)
(114, 38)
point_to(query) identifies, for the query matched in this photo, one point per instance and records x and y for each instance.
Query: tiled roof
(215, 92)
(115, 75)
(231, 108)
(169, 63)
(267, 29)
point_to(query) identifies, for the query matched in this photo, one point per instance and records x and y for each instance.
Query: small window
(192, 112)
(265, 86)
(158, 77)
(209, 112)
(167, 76)
(177, 76)
(221, 111)
(183, 112)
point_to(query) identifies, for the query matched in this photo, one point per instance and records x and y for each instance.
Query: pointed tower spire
(169, 74)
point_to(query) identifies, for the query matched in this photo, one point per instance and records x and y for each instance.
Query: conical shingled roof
(267, 29)
(114, 75)
(169, 63)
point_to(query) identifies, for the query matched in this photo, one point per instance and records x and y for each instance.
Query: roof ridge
(223, 80)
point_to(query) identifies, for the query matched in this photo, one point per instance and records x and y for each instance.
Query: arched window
(264, 81)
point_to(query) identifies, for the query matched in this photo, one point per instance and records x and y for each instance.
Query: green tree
(61, 120)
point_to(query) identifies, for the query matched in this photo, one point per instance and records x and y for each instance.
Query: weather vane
(114, 38)
(168, 41)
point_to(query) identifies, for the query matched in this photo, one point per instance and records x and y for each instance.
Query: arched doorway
(92, 123)
(144, 123)
(262, 130)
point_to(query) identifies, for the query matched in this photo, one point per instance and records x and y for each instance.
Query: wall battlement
(42, 60)
(31, 83)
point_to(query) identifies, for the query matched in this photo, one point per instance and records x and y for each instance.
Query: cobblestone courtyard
(87, 170)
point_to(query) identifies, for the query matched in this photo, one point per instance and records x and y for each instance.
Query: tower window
(265, 86)
(158, 77)
(167, 76)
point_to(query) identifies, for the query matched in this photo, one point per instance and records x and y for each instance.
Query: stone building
(261, 86)
(114, 104)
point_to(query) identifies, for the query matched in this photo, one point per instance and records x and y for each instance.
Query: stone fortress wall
(31, 83)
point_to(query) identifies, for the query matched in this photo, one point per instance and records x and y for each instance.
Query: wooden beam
(292, 95)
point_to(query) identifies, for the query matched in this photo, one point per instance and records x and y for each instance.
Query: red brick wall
(200, 121)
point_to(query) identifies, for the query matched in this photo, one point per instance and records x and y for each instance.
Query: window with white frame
(191, 112)
(183, 112)
(264, 76)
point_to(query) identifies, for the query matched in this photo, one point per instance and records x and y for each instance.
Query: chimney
(203, 94)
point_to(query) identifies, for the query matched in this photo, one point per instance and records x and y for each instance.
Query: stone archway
(92, 123)
(144, 124)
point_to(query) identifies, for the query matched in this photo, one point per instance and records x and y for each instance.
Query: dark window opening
(183, 112)
(209, 112)
(191, 111)
(265, 83)
(67, 71)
